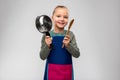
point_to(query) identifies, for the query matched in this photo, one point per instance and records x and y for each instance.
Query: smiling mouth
(61, 23)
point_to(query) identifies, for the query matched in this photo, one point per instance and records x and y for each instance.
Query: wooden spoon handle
(70, 25)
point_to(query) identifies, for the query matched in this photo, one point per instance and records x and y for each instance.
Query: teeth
(61, 23)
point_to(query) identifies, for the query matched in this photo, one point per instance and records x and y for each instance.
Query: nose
(62, 18)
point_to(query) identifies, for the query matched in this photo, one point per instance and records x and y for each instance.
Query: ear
(52, 18)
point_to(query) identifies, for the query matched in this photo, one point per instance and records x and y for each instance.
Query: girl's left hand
(66, 40)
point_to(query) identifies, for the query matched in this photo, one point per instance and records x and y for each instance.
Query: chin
(62, 27)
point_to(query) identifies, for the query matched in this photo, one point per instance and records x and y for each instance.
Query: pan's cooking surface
(43, 23)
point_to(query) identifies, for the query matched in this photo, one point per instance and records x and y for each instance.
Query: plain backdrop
(96, 27)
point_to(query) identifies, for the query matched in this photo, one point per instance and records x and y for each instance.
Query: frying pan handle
(48, 34)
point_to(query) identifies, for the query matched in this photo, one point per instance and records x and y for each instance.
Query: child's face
(60, 18)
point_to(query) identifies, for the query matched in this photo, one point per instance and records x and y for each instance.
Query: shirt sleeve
(45, 50)
(73, 48)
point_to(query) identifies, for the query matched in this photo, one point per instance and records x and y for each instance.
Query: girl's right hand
(48, 40)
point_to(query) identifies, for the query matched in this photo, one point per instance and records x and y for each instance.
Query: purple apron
(59, 62)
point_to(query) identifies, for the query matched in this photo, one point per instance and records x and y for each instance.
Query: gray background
(96, 26)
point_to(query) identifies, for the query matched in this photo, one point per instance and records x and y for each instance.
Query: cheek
(55, 19)
(66, 21)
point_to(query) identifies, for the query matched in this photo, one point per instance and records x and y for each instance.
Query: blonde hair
(59, 6)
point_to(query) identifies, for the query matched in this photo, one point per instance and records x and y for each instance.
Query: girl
(59, 60)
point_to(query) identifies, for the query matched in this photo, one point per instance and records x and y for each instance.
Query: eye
(58, 16)
(66, 17)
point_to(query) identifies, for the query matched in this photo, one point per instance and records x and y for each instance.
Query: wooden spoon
(70, 25)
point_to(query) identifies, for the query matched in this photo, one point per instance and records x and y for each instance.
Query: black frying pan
(43, 24)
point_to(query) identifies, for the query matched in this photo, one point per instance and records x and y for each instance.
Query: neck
(60, 30)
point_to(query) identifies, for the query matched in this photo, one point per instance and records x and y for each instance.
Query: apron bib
(59, 62)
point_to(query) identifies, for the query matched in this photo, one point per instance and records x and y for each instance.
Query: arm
(72, 48)
(45, 50)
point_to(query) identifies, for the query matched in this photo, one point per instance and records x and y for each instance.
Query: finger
(47, 37)
(67, 36)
